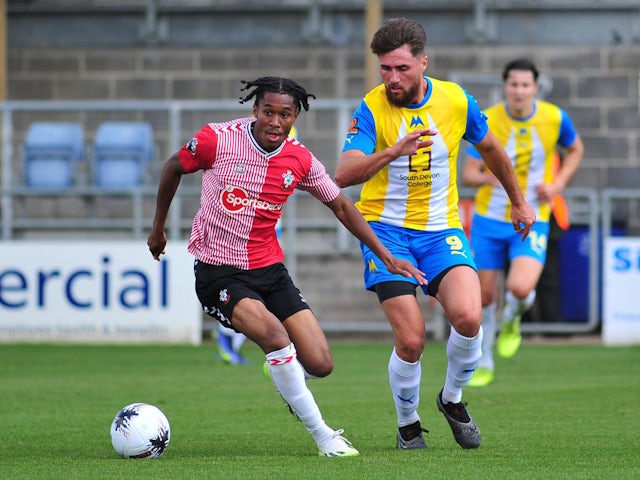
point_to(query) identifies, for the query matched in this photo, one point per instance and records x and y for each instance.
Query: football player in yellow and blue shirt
(402, 145)
(531, 131)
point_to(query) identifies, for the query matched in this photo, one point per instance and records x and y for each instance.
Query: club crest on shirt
(353, 126)
(416, 121)
(287, 180)
(191, 145)
(224, 296)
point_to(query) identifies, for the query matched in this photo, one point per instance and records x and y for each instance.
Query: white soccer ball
(140, 430)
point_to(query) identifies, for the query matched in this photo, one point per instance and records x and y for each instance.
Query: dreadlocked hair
(277, 85)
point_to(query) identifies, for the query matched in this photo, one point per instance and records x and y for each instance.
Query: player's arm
(170, 177)
(475, 175)
(570, 164)
(352, 219)
(356, 167)
(494, 156)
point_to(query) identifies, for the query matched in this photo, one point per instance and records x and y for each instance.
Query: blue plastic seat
(121, 152)
(51, 153)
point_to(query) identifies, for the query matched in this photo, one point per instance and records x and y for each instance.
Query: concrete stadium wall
(598, 86)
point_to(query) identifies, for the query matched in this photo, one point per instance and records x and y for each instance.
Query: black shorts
(220, 288)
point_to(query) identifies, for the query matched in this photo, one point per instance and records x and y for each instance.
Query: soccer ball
(140, 430)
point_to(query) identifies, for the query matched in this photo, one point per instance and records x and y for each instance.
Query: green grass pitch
(554, 412)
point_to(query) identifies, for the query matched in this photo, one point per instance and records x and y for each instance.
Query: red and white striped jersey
(244, 189)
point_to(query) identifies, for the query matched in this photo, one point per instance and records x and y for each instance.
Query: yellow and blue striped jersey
(293, 133)
(531, 145)
(417, 191)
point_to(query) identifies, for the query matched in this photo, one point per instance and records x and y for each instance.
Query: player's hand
(546, 192)
(414, 141)
(523, 218)
(406, 268)
(156, 242)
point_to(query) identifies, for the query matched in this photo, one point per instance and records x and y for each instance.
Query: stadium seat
(51, 153)
(121, 152)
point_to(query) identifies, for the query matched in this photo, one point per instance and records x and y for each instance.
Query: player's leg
(261, 326)
(287, 303)
(232, 297)
(311, 343)
(223, 337)
(490, 243)
(463, 349)
(527, 263)
(237, 341)
(519, 296)
(524, 273)
(453, 281)
(286, 372)
(229, 343)
(465, 315)
(315, 360)
(489, 291)
(404, 367)
(212, 288)
(397, 296)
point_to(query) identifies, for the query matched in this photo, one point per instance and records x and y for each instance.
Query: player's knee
(319, 367)
(488, 298)
(271, 340)
(467, 325)
(520, 291)
(410, 348)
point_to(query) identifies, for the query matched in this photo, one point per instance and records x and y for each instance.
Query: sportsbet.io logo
(235, 199)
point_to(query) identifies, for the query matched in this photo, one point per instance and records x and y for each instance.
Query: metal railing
(589, 214)
(174, 111)
(586, 202)
(609, 195)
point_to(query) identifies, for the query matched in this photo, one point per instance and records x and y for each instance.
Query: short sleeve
(199, 153)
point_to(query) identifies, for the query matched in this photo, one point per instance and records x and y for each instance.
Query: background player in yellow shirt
(530, 130)
(403, 146)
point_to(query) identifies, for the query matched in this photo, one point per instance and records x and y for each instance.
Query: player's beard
(405, 98)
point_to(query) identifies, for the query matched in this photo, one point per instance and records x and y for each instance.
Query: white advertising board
(97, 292)
(621, 292)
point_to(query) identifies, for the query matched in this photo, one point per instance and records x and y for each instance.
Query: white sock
(488, 336)
(237, 340)
(463, 354)
(288, 376)
(404, 378)
(222, 330)
(514, 306)
(527, 302)
(510, 307)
